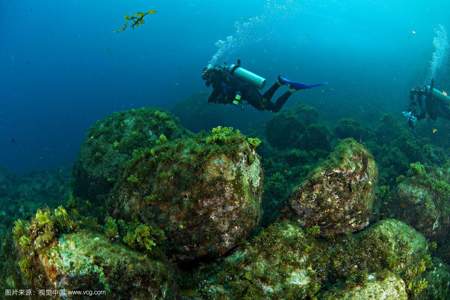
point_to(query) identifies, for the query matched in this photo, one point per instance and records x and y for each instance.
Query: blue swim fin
(298, 85)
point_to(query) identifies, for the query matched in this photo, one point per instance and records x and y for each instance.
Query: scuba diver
(234, 84)
(427, 103)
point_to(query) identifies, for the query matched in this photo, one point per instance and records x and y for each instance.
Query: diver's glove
(410, 117)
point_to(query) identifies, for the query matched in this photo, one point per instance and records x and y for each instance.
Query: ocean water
(63, 67)
(337, 196)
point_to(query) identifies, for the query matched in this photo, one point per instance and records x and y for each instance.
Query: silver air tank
(248, 76)
(440, 95)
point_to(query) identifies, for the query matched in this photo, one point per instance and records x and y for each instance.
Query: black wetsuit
(226, 87)
(424, 106)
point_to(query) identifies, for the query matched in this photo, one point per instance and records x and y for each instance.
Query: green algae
(278, 263)
(111, 229)
(32, 237)
(288, 262)
(143, 238)
(338, 194)
(377, 286)
(212, 179)
(111, 142)
(89, 259)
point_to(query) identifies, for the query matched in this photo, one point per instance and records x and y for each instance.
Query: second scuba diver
(234, 84)
(427, 103)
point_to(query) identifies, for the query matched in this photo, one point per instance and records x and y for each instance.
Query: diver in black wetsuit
(427, 103)
(233, 84)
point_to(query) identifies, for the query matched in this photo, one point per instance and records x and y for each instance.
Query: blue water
(62, 67)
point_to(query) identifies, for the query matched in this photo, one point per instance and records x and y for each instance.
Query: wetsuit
(226, 87)
(422, 105)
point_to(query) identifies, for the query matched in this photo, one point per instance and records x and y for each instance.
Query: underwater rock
(349, 128)
(204, 192)
(386, 286)
(278, 264)
(85, 260)
(339, 193)
(389, 245)
(53, 253)
(315, 137)
(398, 246)
(422, 199)
(438, 282)
(111, 142)
(286, 261)
(285, 129)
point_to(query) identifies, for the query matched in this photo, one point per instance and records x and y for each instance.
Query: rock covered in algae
(338, 195)
(399, 248)
(87, 260)
(422, 199)
(402, 246)
(278, 264)
(111, 142)
(350, 128)
(53, 253)
(286, 261)
(204, 192)
(287, 128)
(438, 281)
(386, 286)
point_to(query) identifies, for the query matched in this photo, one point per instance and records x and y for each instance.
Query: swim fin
(298, 85)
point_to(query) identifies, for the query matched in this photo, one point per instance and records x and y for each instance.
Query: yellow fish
(434, 130)
(151, 12)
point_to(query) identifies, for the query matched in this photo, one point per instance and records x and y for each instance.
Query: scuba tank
(246, 75)
(440, 95)
(435, 93)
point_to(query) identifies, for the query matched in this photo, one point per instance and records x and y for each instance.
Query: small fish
(413, 32)
(434, 130)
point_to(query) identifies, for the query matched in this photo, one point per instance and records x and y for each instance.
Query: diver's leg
(281, 101)
(270, 92)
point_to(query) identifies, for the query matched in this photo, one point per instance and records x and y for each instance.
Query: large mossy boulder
(286, 261)
(111, 142)
(52, 253)
(387, 286)
(389, 245)
(397, 246)
(338, 195)
(280, 263)
(422, 199)
(204, 192)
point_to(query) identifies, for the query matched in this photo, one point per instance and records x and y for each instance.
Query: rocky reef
(300, 212)
(54, 253)
(338, 195)
(111, 142)
(204, 192)
(289, 262)
(423, 200)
